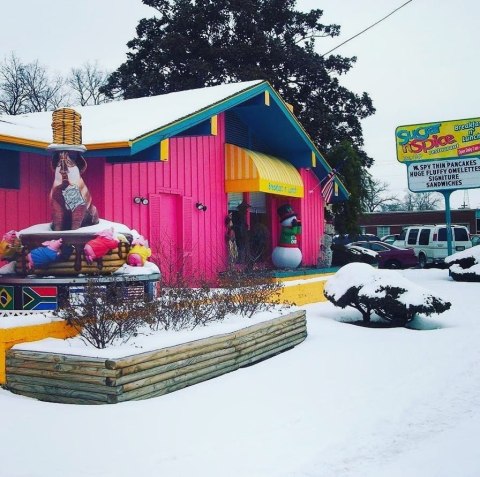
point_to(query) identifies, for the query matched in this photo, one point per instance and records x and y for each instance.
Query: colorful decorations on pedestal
(139, 252)
(287, 254)
(98, 247)
(42, 256)
(10, 246)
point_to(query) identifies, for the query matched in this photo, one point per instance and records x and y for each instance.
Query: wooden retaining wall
(83, 380)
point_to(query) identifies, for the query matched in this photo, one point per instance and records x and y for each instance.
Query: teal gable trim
(196, 118)
(120, 151)
(298, 128)
(30, 149)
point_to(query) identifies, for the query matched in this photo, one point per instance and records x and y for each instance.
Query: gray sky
(419, 65)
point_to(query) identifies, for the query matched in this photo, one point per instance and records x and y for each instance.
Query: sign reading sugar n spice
(440, 140)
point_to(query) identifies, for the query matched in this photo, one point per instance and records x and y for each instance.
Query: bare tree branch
(375, 197)
(86, 83)
(26, 88)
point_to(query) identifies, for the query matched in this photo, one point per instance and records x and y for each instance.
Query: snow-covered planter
(384, 292)
(465, 265)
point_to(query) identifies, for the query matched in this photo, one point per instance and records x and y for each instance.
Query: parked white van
(430, 242)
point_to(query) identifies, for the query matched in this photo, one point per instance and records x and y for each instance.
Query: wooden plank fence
(83, 380)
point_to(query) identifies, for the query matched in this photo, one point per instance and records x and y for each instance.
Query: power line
(366, 29)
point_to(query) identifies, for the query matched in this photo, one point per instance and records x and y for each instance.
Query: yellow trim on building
(251, 171)
(267, 98)
(164, 149)
(214, 125)
(108, 145)
(23, 142)
(22, 334)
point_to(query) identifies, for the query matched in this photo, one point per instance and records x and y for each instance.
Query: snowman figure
(287, 254)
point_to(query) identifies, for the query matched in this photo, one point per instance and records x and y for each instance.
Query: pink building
(173, 166)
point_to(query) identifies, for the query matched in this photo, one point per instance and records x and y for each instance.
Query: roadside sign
(454, 174)
(437, 141)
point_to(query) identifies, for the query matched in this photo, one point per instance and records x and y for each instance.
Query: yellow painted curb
(304, 293)
(22, 334)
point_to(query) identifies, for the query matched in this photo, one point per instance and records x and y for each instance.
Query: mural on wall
(287, 254)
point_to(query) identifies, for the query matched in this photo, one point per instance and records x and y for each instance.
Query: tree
(86, 83)
(346, 160)
(13, 94)
(414, 201)
(375, 197)
(27, 87)
(193, 44)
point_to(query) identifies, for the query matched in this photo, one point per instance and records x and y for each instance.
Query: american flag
(328, 186)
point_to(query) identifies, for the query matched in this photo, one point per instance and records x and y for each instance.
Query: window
(378, 247)
(412, 237)
(402, 234)
(9, 169)
(258, 201)
(234, 200)
(424, 237)
(461, 235)
(383, 230)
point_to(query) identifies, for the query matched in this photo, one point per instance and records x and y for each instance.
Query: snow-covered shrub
(465, 265)
(384, 292)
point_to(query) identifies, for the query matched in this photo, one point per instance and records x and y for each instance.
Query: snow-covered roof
(120, 121)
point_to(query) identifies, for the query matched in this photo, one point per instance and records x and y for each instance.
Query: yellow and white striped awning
(250, 171)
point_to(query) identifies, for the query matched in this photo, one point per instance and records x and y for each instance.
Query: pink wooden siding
(311, 213)
(94, 179)
(194, 172)
(28, 205)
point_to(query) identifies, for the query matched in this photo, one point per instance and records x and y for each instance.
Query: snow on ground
(347, 402)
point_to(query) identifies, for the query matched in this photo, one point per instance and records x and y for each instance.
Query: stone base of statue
(286, 257)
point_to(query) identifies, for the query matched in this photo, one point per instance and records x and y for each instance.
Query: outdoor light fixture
(200, 206)
(140, 200)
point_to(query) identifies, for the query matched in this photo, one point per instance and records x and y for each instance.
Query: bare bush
(247, 292)
(104, 314)
(188, 299)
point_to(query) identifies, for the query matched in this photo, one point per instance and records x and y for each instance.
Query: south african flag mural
(39, 298)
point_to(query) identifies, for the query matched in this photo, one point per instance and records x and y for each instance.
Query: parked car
(429, 242)
(390, 238)
(343, 254)
(475, 239)
(349, 238)
(390, 256)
